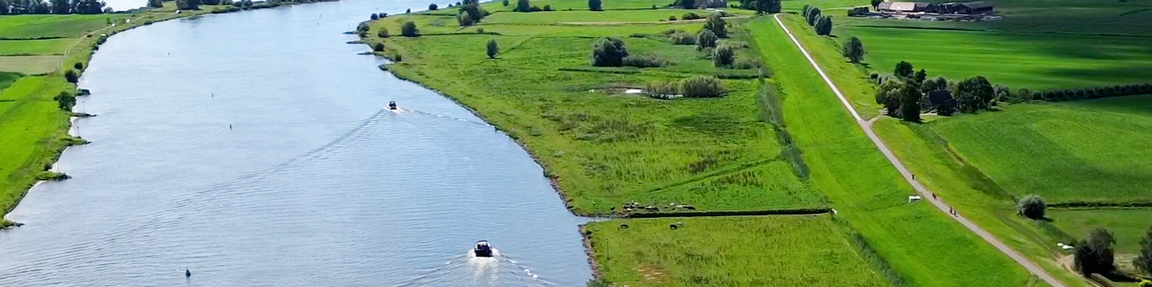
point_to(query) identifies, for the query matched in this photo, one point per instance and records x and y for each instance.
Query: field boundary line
(923, 191)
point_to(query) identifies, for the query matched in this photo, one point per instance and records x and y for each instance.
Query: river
(254, 149)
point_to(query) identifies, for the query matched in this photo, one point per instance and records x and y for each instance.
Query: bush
(65, 101)
(706, 39)
(535, 8)
(523, 6)
(374, 17)
(1032, 206)
(383, 33)
(702, 86)
(690, 16)
(409, 11)
(492, 48)
(71, 76)
(672, 18)
(662, 89)
(745, 64)
(680, 37)
(408, 29)
(716, 25)
(480, 30)
(505, 3)
(379, 47)
(78, 66)
(1096, 255)
(547, 7)
(644, 61)
(433, 7)
(595, 5)
(723, 56)
(609, 52)
(824, 26)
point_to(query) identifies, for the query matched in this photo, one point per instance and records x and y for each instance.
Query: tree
(383, 33)
(61, 7)
(804, 10)
(94, 6)
(1143, 261)
(71, 76)
(5, 7)
(1096, 254)
(470, 13)
(608, 52)
(188, 4)
(409, 11)
(768, 6)
(408, 29)
(854, 50)
(374, 16)
(938, 84)
(812, 15)
(716, 24)
(876, 4)
(824, 26)
(155, 3)
(903, 69)
(379, 47)
(910, 102)
(723, 56)
(686, 4)
(433, 7)
(889, 94)
(974, 94)
(493, 48)
(920, 76)
(505, 3)
(706, 39)
(523, 6)
(65, 101)
(1032, 206)
(594, 5)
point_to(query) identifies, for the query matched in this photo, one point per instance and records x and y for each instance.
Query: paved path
(924, 193)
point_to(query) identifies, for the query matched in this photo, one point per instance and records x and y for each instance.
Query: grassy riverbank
(36, 51)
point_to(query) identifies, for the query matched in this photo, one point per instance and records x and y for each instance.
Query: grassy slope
(921, 243)
(1062, 152)
(1128, 225)
(41, 47)
(1038, 44)
(760, 251)
(607, 148)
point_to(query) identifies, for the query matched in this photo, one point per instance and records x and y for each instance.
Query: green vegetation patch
(1128, 225)
(28, 113)
(31, 65)
(1063, 152)
(619, 16)
(729, 251)
(53, 26)
(6, 79)
(919, 242)
(35, 47)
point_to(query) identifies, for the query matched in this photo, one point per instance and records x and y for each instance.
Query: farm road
(924, 192)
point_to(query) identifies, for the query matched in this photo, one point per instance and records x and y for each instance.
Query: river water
(253, 149)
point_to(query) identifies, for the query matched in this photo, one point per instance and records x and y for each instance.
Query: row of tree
(1086, 93)
(814, 18)
(18, 7)
(761, 6)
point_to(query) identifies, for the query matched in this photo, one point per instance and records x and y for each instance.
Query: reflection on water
(253, 149)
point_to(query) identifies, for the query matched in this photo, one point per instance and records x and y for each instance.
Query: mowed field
(603, 147)
(1129, 226)
(730, 251)
(924, 246)
(1068, 152)
(1037, 45)
(53, 26)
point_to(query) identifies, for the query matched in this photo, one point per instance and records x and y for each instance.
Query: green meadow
(919, 242)
(1037, 45)
(53, 26)
(1128, 225)
(603, 147)
(810, 250)
(38, 47)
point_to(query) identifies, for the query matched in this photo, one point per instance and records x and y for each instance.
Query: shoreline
(90, 42)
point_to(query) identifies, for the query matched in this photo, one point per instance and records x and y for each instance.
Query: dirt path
(81, 40)
(924, 192)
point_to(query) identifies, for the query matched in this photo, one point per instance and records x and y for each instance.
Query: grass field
(921, 243)
(1038, 44)
(585, 16)
(38, 47)
(31, 65)
(32, 133)
(606, 148)
(1128, 225)
(730, 251)
(53, 26)
(1067, 152)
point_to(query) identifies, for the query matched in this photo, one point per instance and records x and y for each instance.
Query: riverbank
(36, 127)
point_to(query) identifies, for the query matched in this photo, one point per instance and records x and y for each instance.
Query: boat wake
(469, 270)
(401, 110)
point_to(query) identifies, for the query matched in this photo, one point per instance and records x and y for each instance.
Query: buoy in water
(187, 273)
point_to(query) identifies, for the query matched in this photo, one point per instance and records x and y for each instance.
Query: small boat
(483, 249)
(392, 105)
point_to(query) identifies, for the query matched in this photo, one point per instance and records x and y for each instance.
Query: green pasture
(617, 16)
(1064, 152)
(920, 242)
(730, 251)
(29, 65)
(53, 26)
(1129, 226)
(6, 79)
(35, 47)
(606, 148)
(32, 132)
(580, 4)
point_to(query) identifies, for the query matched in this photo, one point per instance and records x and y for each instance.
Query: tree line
(19, 7)
(814, 18)
(1095, 254)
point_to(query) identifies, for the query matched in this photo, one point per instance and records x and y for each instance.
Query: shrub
(505, 3)
(547, 7)
(702, 86)
(745, 64)
(690, 16)
(492, 48)
(379, 47)
(383, 33)
(65, 101)
(723, 56)
(409, 11)
(535, 8)
(523, 6)
(1096, 255)
(644, 61)
(716, 25)
(662, 89)
(594, 5)
(408, 29)
(78, 66)
(71, 76)
(680, 37)
(433, 7)
(1032, 206)
(480, 30)
(672, 18)
(374, 17)
(609, 52)
(706, 39)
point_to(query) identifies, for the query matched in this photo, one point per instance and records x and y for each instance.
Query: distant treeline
(19, 7)
(1087, 93)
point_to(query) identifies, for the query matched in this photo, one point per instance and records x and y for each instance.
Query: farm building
(942, 102)
(966, 8)
(928, 7)
(907, 7)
